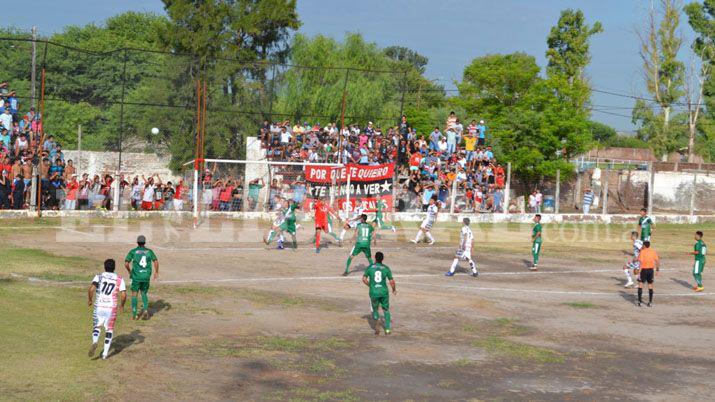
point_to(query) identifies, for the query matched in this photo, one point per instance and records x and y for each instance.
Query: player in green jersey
(139, 263)
(379, 221)
(700, 250)
(362, 242)
(284, 223)
(645, 225)
(536, 241)
(376, 277)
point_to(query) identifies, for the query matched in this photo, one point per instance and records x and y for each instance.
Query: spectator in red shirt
(71, 198)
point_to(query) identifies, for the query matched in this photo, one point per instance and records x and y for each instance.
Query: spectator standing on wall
(482, 129)
(458, 130)
(532, 202)
(435, 136)
(451, 141)
(5, 186)
(72, 189)
(18, 192)
(6, 120)
(539, 201)
(588, 197)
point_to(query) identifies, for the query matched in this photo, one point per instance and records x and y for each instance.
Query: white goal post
(197, 184)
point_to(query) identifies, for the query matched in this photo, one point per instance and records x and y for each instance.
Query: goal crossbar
(261, 162)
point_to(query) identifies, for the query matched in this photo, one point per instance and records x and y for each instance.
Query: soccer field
(234, 320)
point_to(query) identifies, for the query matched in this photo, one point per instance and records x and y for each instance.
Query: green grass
(45, 265)
(581, 305)
(45, 332)
(305, 394)
(517, 350)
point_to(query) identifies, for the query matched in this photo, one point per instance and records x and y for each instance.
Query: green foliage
(665, 75)
(602, 133)
(568, 43)
(701, 17)
(370, 95)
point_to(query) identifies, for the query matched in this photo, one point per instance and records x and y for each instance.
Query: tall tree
(568, 45)
(229, 42)
(664, 77)
(701, 91)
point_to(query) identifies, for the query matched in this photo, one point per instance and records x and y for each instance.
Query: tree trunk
(691, 142)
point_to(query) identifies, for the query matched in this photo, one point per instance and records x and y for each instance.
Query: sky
(449, 32)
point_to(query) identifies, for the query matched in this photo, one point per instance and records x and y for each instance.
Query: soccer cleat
(346, 273)
(280, 246)
(649, 304)
(450, 273)
(135, 317)
(638, 304)
(413, 241)
(629, 284)
(534, 268)
(394, 230)
(388, 331)
(92, 349)
(104, 357)
(475, 274)
(145, 315)
(317, 251)
(265, 239)
(699, 288)
(431, 242)
(340, 242)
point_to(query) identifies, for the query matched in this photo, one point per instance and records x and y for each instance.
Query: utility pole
(32, 72)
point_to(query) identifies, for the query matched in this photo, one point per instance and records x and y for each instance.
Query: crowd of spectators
(451, 158)
(60, 185)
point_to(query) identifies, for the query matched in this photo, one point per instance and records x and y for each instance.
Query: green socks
(134, 306)
(347, 265)
(387, 319)
(145, 301)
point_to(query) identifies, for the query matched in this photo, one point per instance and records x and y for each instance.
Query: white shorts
(104, 317)
(427, 224)
(463, 255)
(353, 223)
(633, 265)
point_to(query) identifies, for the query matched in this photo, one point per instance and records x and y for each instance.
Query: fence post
(402, 97)
(507, 188)
(692, 195)
(577, 191)
(558, 192)
(121, 110)
(605, 190)
(33, 188)
(651, 183)
(454, 196)
(116, 196)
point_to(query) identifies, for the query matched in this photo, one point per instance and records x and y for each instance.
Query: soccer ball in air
(155, 131)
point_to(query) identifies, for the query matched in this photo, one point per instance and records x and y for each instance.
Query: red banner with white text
(368, 184)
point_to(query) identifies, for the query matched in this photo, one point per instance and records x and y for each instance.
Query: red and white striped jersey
(108, 286)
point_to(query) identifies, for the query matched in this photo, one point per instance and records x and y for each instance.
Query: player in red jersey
(323, 212)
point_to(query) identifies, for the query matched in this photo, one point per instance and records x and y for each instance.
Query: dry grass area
(234, 320)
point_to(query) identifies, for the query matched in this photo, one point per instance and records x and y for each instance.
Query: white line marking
(316, 278)
(271, 249)
(557, 292)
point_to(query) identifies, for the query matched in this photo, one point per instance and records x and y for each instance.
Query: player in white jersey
(465, 250)
(276, 226)
(107, 292)
(354, 219)
(426, 227)
(633, 263)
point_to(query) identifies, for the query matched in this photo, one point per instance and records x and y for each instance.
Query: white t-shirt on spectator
(285, 137)
(6, 120)
(148, 194)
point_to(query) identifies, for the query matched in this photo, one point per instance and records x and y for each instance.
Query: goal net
(265, 186)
